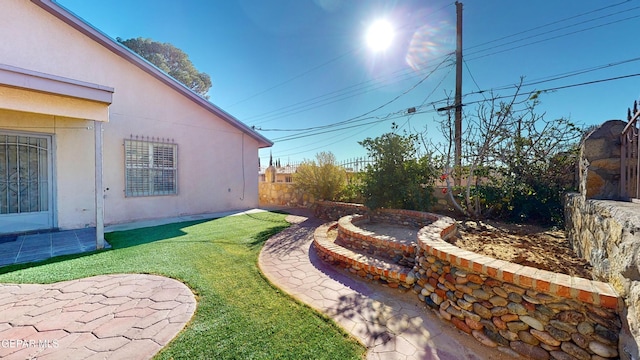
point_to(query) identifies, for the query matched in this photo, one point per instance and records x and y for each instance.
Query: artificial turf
(239, 314)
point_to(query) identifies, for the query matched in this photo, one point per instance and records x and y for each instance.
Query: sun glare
(380, 35)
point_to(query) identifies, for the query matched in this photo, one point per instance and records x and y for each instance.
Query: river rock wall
(607, 233)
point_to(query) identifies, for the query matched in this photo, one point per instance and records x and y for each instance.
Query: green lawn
(239, 315)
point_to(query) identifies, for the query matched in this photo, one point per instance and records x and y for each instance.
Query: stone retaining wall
(410, 218)
(364, 266)
(532, 312)
(282, 194)
(332, 211)
(607, 233)
(367, 242)
(519, 309)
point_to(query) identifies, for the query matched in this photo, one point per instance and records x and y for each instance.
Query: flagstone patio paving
(27, 248)
(125, 316)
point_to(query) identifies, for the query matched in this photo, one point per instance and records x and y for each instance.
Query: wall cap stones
(431, 240)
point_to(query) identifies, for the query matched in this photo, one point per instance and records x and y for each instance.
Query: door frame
(52, 217)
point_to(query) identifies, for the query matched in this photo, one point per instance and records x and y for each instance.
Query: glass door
(25, 183)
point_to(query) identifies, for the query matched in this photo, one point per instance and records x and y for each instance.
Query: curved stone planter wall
(352, 236)
(365, 266)
(532, 312)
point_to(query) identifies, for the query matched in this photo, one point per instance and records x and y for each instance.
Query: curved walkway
(127, 316)
(392, 325)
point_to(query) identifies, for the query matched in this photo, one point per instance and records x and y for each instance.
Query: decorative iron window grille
(151, 166)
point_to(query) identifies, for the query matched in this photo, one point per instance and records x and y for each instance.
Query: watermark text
(28, 343)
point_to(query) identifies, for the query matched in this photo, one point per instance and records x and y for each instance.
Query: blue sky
(303, 64)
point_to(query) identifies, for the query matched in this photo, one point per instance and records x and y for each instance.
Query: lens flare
(429, 43)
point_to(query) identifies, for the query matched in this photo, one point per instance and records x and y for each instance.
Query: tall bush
(398, 177)
(323, 178)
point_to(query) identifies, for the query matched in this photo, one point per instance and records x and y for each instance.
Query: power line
(426, 98)
(377, 121)
(335, 96)
(365, 87)
(548, 24)
(527, 84)
(559, 87)
(473, 78)
(617, 21)
(322, 64)
(558, 76)
(403, 113)
(300, 108)
(370, 111)
(296, 77)
(354, 133)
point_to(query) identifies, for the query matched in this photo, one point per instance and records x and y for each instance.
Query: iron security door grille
(151, 168)
(24, 174)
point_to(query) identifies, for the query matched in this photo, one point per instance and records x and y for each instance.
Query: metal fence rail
(629, 159)
(357, 164)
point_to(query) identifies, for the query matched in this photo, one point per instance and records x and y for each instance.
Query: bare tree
(508, 149)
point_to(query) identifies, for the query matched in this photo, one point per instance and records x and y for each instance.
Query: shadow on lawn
(141, 236)
(263, 236)
(15, 267)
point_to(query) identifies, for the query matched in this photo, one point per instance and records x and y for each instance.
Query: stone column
(599, 165)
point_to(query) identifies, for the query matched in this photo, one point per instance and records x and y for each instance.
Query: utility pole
(458, 97)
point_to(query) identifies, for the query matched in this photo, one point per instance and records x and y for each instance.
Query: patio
(37, 247)
(41, 246)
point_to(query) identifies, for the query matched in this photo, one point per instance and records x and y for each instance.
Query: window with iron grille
(151, 168)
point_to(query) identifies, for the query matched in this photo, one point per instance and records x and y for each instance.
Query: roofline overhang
(93, 33)
(51, 84)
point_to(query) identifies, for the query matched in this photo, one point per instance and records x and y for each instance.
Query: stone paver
(392, 324)
(93, 318)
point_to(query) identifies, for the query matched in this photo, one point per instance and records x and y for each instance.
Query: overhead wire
(321, 66)
(426, 98)
(473, 78)
(564, 20)
(402, 113)
(338, 96)
(556, 77)
(543, 80)
(372, 110)
(592, 82)
(617, 21)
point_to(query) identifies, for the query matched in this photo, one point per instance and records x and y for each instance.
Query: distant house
(280, 174)
(92, 134)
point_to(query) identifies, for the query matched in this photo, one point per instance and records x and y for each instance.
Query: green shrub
(398, 178)
(324, 180)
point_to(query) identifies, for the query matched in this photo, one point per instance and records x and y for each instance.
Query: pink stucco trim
(51, 84)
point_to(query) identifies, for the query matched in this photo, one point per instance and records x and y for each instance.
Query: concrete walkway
(129, 316)
(392, 324)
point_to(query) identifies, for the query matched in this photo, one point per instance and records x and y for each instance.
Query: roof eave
(74, 21)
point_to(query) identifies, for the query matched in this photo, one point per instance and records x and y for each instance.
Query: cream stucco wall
(73, 154)
(217, 163)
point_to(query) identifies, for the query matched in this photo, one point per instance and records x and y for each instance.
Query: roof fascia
(46, 83)
(77, 23)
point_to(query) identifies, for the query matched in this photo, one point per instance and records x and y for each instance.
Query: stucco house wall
(217, 158)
